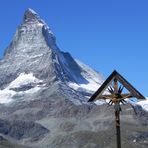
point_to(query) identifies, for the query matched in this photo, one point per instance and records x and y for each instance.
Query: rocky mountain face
(44, 93)
(33, 50)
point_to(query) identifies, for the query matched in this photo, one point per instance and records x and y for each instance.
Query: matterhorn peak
(31, 15)
(33, 51)
(32, 35)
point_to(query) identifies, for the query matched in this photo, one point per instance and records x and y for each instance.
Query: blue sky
(105, 34)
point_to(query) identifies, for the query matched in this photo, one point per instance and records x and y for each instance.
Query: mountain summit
(31, 15)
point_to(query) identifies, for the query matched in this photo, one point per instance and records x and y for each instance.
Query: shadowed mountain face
(44, 93)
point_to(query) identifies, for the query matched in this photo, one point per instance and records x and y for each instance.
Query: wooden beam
(116, 76)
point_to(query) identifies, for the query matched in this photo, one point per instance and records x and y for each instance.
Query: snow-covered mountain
(143, 104)
(34, 57)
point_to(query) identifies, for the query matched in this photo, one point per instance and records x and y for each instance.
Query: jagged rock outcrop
(22, 129)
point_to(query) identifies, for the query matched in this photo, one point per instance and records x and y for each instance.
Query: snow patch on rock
(24, 79)
(9, 94)
(135, 101)
(144, 104)
(93, 78)
(6, 96)
(89, 86)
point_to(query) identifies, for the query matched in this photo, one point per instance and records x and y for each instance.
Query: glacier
(22, 85)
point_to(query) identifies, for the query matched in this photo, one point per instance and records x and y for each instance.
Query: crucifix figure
(116, 97)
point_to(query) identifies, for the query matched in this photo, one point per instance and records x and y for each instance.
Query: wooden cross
(116, 97)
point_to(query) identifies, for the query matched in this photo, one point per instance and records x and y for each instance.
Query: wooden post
(117, 122)
(117, 114)
(115, 86)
